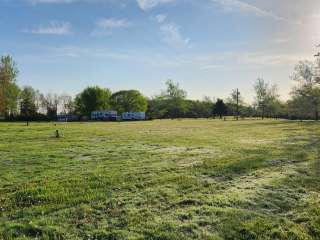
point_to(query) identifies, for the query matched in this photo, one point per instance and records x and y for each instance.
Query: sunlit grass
(188, 179)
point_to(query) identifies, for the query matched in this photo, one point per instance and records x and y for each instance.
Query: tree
(235, 102)
(220, 108)
(307, 91)
(207, 104)
(267, 97)
(12, 98)
(171, 103)
(67, 104)
(92, 99)
(50, 102)
(28, 102)
(9, 91)
(156, 108)
(199, 109)
(128, 101)
(174, 98)
(261, 89)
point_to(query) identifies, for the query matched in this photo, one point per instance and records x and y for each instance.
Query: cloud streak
(208, 61)
(146, 5)
(245, 8)
(54, 28)
(172, 35)
(52, 1)
(161, 18)
(105, 26)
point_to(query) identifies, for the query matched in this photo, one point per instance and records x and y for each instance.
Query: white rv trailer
(67, 117)
(105, 115)
(133, 116)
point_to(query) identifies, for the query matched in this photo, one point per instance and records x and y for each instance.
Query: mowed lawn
(164, 179)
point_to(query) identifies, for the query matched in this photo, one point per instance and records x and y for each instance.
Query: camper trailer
(133, 116)
(104, 115)
(67, 118)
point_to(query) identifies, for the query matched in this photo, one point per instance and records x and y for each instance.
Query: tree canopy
(9, 91)
(220, 108)
(28, 102)
(306, 93)
(267, 97)
(128, 101)
(92, 99)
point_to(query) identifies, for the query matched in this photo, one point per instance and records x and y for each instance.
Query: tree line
(27, 103)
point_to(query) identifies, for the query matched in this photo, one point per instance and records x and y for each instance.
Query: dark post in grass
(57, 134)
(238, 94)
(317, 76)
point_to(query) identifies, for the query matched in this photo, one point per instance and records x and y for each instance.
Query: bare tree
(266, 97)
(50, 102)
(235, 101)
(307, 89)
(66, 104)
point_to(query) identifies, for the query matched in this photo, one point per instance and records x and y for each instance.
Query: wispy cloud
(105, 26)
(121, 3)
(52, 1)
(281, 40)
(53, 28)
(146, 5)
(161, 18)
(245, 8)
(172, 35)
(212, 61)
(82, 52)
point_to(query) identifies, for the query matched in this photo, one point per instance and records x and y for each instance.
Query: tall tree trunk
(2, 103)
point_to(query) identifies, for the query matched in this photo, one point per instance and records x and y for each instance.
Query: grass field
(188, 179)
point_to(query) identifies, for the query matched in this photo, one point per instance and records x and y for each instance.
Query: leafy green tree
(128, 101)
(307, 91)
(156, 108)
(299, 108)
(28, 102)
(171, 103)
(92, 99)
(12, 98)
(174, 98)
(199, 109)
(9, 91)
(220, 108)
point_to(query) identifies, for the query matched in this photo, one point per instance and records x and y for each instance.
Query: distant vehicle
(133, 116)
(105, 115)
(67, 117)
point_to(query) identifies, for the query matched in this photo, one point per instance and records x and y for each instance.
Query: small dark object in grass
(57, 134)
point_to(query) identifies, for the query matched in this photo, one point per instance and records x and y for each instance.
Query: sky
(208, 46)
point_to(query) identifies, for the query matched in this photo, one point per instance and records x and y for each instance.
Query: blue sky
(209, 46)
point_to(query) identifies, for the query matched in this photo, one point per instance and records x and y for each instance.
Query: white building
(134, 116)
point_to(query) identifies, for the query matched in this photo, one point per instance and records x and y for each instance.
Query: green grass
(188, 179)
